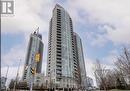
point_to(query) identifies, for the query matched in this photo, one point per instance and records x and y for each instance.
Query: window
(58, 48)
(58, 39)
(58, 42)
(58, 26)
(58, 58)
(58, 21)
(59, 32)
(59, 55)
(58, 45)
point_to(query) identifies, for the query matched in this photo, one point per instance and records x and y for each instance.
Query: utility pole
(16, 76)
(6, 75)
(7, 72)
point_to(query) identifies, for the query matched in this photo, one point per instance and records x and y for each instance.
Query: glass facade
(81, 62)
(62, 65)
(35, 46)
(60, 50)
(67, 55)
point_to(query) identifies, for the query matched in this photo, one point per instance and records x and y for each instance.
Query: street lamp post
(32, 79)
(33, 71)
(32, 76)
(31, 86)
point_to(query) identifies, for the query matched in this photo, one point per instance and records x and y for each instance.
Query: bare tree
(100, 75)
(114, 79)
(123, 62)
(11, 84)
(110, 79)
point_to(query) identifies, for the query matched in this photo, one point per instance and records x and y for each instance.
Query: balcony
(58, 72)
(58, 64)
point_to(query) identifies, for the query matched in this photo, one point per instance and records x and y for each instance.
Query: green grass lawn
(119, 90)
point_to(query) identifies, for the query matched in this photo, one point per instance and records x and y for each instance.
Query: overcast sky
(103, 25)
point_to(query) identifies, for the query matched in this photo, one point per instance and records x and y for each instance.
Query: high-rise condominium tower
(80, 59)
(35, 47)
(64, 57)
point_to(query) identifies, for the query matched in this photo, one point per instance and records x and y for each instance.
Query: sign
(37, 57)
(6, 7)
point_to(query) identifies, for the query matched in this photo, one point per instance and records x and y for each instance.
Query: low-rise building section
(3, 83)
(90, 83)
